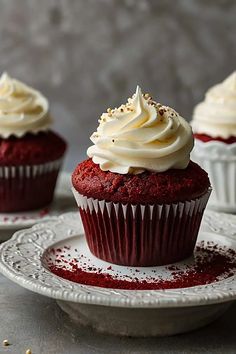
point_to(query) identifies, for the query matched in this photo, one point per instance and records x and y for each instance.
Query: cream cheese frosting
(22, 109)
(141, 135)
(216, 115)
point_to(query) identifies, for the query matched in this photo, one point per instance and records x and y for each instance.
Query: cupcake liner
(219, 160)
(27, 187)
(141, 235)
(29, 171)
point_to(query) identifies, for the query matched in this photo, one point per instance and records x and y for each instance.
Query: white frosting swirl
(141, 135)
(216, 115)
(22, 109)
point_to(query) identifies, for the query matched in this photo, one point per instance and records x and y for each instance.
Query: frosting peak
(22, 109)
(141, 135)
(230, 82)
(216, 115)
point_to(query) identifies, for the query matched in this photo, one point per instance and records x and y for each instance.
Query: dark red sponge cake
(31, 149)
(146, 188)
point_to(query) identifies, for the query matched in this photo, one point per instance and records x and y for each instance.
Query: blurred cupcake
(140, 198)
(214, 125)
(30, 153)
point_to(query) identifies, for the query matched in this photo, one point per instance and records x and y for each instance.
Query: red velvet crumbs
(44, 212)
(18, 218)
(211, 263)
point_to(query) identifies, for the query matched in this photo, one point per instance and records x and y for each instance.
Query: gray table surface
(29, 320)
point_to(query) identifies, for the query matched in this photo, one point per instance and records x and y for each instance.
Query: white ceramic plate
(24, 260)
(63, 202)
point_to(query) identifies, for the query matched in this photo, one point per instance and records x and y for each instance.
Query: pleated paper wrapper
(27, 187)
(219, 161)
(141, 235)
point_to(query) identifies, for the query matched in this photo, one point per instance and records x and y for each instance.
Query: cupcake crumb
(5, 343)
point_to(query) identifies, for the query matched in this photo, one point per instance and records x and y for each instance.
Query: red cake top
(31, 149)
(146, 188)
(205, 138)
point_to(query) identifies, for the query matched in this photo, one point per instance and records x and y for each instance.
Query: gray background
(86, 55)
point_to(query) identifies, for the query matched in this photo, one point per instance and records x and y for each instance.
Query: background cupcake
(140, 198)
(214, 125)
(30, 153)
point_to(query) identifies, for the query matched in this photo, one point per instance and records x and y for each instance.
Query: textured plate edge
(109, 297)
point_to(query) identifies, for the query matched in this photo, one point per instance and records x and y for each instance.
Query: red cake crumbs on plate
(211, 263)
(146, 188)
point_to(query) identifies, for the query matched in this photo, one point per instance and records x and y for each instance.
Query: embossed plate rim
(26, 249)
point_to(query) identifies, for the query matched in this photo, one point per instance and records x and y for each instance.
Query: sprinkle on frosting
(141, 135)
(22, 109)
(216, 115)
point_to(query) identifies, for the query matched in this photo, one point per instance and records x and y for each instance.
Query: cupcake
(30, 153)
(214, 127)
(140, 197)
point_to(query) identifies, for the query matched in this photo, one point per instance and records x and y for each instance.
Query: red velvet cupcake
(214, 127)
(140, 198)
(30, 154)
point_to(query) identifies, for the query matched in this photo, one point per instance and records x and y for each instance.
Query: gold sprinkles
(128, 107)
